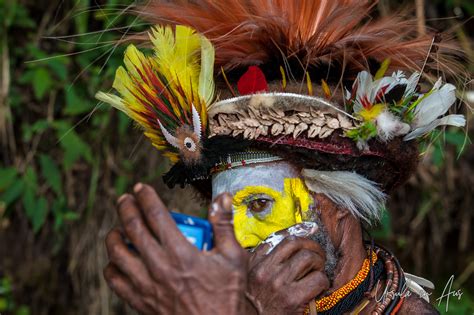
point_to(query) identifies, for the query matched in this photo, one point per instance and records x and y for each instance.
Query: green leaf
(13, 192)
(40, 214)
(74, 148)
(7, 176)
(23, 310)
(3, 304)
(59, 67)
(75, 104)
(120, 185)
(29, 203)
(71, 216)
(31, 180)
(41, 82)
(82, 17)
(30, 130)
(123, 123)
(51, 173)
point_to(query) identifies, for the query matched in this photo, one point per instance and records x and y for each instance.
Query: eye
(189, 144)
(259, 205)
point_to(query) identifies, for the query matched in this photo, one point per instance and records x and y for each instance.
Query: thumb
(220, 216)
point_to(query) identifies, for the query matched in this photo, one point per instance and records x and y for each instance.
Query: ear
(341, 214)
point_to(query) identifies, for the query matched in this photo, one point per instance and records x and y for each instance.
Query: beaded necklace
(382, 264)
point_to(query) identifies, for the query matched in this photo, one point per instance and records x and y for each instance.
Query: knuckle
(109, 238)
(113, 283)
(258, 275)
(291, 300)
(307, 255)
(153, 213)
(276, 284)
(116, 252)
(132, 224)
(144, 288)
(108, 273)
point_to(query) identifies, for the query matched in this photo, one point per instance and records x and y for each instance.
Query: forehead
(268, 174)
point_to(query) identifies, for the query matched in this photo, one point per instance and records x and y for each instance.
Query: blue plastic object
(197, 231)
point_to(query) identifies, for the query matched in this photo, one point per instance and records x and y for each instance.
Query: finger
(127, 262)
(159, 219)
(303, 229)
(136, 229)
(291, 245)
(302, 263)
(124, 289)
(220, 216)
(313, 284)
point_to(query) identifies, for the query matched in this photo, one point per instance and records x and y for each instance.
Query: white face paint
(267, 198)
(270, 175)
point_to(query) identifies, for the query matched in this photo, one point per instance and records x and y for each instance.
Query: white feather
(411, 83)
(111, 99)
(434, 105)
(416, 288)
(363, 81)
(421, 281)
(389, 126)
(168, 136)
(196, 122)
(451, 120)
(379, 84)
(362, 197)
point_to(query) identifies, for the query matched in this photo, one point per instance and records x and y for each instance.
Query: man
(295, 169)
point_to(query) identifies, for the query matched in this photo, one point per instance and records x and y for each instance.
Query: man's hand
(286, 279)
(168, 275)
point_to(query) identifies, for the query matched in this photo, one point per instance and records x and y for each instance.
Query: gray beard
(332, 255)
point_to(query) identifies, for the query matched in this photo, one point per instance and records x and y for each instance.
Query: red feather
(252, 81)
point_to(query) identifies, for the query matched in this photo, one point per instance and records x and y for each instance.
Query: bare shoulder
(414, 304)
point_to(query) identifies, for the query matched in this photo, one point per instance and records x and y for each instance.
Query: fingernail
(303, 229)
(121, 198)
(227, 202)
(137, 187)
(214, 209)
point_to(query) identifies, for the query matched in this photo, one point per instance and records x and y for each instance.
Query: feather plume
(167, 94)
(316, 32)
(362, 197)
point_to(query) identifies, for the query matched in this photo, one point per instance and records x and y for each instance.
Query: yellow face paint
(254, 223)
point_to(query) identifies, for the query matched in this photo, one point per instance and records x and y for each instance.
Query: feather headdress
(338, 35)
(268, 48)
(167, 93)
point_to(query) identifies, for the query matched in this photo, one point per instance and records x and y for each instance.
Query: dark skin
(170, 276)
(173, 277)
(295, 265)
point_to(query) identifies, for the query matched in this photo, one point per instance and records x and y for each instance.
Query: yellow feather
(206, 77)
(283, 78)
(166, 85)
(177, 58)
(383, 68)
(309, 84)
(326, 89)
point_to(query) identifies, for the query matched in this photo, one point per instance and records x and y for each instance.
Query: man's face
(266, 198)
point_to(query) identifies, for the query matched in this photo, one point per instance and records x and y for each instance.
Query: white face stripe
(271, 175)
